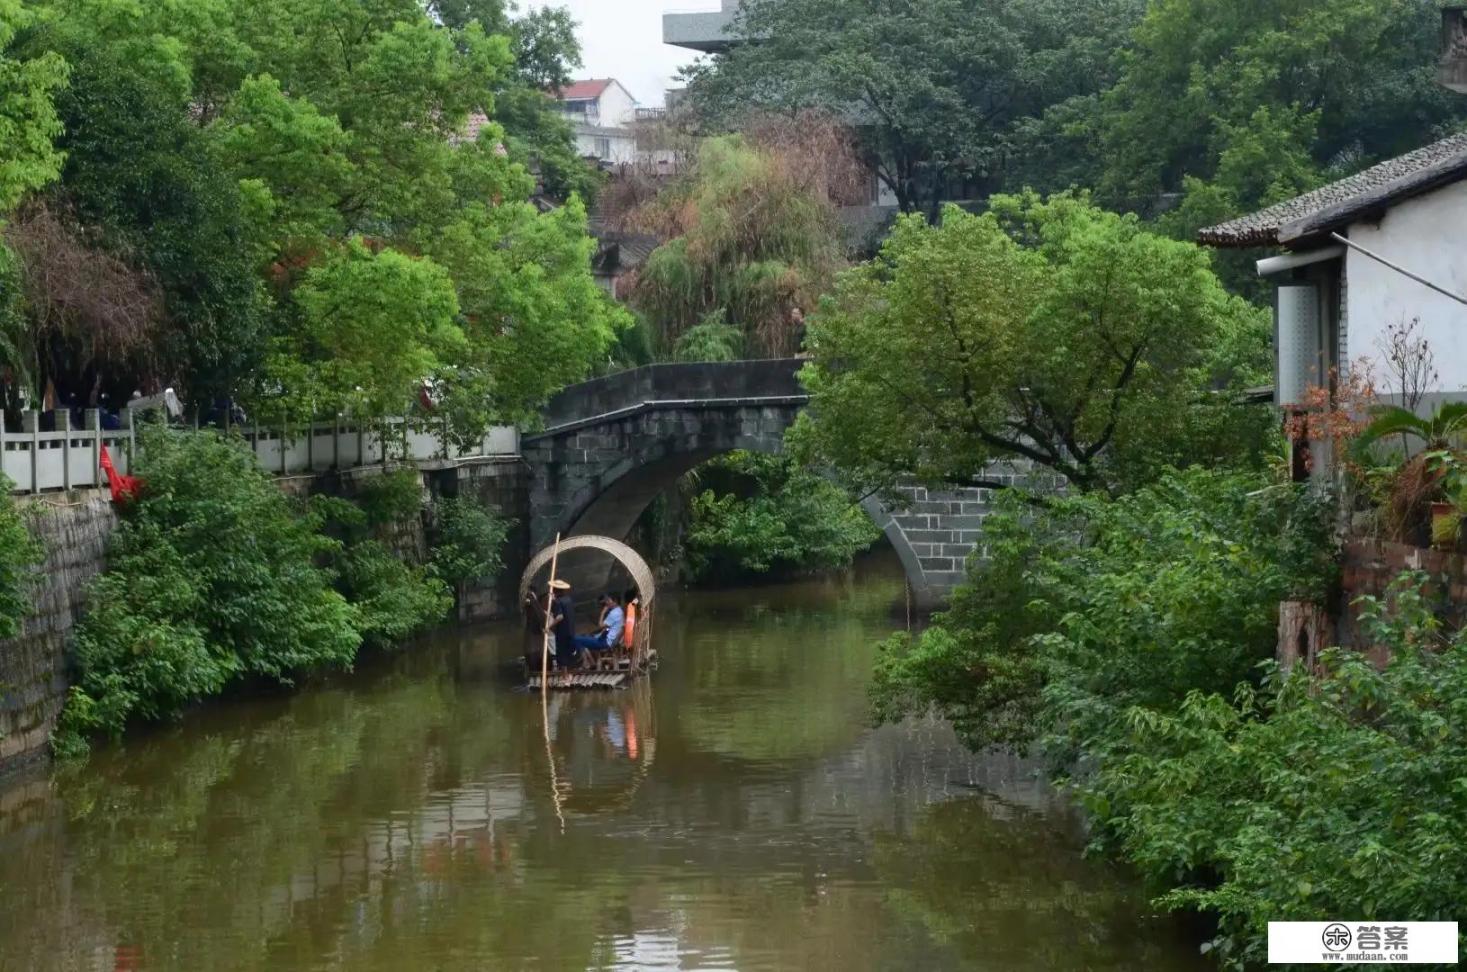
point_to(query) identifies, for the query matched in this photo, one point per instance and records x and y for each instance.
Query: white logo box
(1362, 943)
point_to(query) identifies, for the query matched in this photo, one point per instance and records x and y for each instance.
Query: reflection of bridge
(612, 445)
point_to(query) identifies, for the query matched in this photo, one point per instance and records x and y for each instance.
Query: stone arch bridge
(610, 446)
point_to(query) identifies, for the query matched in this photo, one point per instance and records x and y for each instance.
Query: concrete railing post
(92, 420)
(30, 422)
(63, 426)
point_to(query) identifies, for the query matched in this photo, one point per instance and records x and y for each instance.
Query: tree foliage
(469, 541)
(212, 576)
(1312, 795)
(757, 515)
(20, 553)
(373, 325)
(243, 155)
(750, 236)
(29, 123)
(1046, 331)
(215, 576)
(1325, 85)
(1090, 605)
(940, 90)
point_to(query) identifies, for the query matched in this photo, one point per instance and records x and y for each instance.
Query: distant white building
(602, 112)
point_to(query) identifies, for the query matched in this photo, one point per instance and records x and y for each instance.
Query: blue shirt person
(613, 623)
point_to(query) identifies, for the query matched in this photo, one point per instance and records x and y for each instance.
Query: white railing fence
(70, 458)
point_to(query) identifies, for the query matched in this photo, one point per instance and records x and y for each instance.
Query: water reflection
(733, 813)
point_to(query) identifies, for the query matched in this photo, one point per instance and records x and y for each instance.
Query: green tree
(759, 515)
(469, 542)
(222, 145)
(29, 123)
(534, 319)
(1346, 81)
(147, 178)
(1092, 605)
(749, 238)
(1237, 804)
(711, 339)
(938, 89)
(1047, 331)
(374, 326)
(20, 553)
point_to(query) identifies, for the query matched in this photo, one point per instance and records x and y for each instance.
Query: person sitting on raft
(613, 625)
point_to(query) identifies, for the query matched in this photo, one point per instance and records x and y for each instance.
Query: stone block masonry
(74, 529)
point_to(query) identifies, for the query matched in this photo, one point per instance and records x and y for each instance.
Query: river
(737, 812)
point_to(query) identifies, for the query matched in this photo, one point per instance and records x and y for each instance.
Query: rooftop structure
(704, 31)
(1355, 199)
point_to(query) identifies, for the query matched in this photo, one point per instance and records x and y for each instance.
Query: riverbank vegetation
(215, 576)
(755, 516)
(20, 552)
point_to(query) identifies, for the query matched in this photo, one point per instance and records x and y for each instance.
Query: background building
(602, 112)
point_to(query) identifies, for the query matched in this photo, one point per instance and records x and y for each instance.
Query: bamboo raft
(628, 662)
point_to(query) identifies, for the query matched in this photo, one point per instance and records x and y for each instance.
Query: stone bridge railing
(670, 385)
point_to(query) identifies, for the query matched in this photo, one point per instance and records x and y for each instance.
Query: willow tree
(752, 239)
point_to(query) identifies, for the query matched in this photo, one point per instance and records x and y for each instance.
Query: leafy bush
(1342, 794)
(212, 575)
(765, 515)
(19, 554)
(711, 339)
(391, 497)
(470, 542)
(1090, 605)
(394, 599)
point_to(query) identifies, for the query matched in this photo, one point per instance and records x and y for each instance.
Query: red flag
(123, 487)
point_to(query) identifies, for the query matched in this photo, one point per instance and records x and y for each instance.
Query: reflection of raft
(621, 666)
(572, 681)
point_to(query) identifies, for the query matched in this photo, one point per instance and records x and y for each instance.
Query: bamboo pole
(545, 684)
(545, 639)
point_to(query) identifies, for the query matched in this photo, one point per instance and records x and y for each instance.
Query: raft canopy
(632, 561)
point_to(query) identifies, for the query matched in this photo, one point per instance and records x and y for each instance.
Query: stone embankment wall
(33, 666)
(504, 487)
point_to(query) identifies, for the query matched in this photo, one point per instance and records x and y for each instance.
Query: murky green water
(735, 813)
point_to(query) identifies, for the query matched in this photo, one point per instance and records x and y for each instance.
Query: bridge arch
(613, 445)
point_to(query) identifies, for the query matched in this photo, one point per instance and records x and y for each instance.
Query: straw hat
(559, 585)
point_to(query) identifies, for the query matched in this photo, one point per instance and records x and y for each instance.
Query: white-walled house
(602, 112)
(1361, 255)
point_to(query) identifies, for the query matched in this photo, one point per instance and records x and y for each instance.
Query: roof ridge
(1333, 205)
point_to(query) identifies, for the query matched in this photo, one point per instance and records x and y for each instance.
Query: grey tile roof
(1338, 204)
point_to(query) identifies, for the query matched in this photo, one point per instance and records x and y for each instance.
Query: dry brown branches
(80, 293)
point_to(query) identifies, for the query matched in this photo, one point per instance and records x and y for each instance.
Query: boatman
(563, 623)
